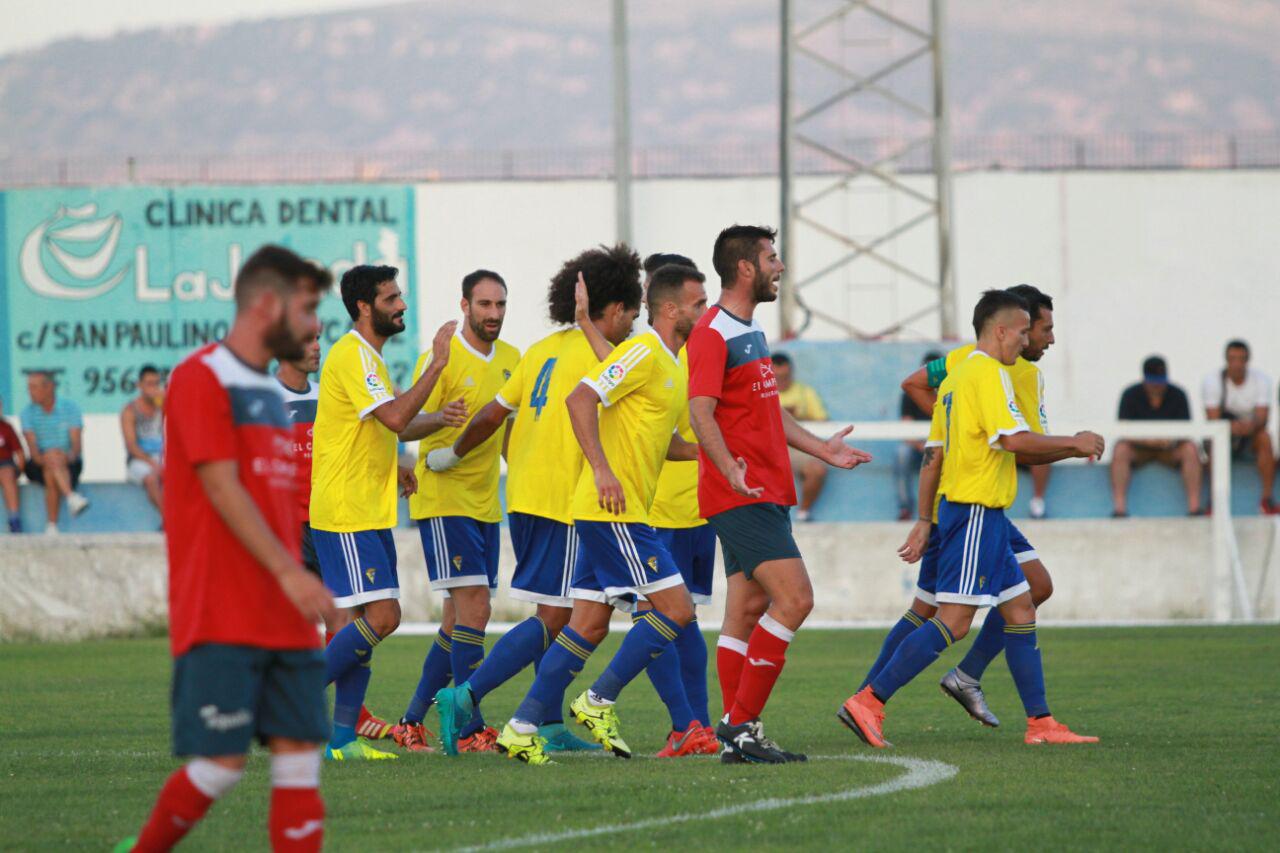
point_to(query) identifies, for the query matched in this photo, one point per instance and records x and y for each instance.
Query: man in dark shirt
(1154, 399)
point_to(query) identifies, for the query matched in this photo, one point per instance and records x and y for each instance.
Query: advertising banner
(95, 283)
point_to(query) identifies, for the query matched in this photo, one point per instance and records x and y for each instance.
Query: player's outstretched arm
(483, 425)
(1082, 445)
(930, 475)
(917, 388)
(680, 450)
(221, 483)
(833, 451)
(582, 316)
(454, 414)
(702, 417)
(584, 413)
(396, 414)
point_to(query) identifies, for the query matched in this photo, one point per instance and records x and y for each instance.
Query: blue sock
(468, 652)
(692, 647)
(649, 637)
(348, 697)
(899, 632)
(349, 648)
(1024, 663)
(515, 650)
(988, 644)
(913, 657)
(664, 672)
(437, 669)
(561, 664)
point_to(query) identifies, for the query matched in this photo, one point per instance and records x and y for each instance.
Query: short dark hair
(1036, 299)
(1237, 344)
(1154, 366)
(991, 304)
(360, 284)
(780, 359)
(668, 280)
(738, 243)
(471, 279)
(661, 259)
(931, 355)
(612, 274)
(279, 269)
(147, 370)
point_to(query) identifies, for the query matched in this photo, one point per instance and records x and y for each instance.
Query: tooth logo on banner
(66, 256)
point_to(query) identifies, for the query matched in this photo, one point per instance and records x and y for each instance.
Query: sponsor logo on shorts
(652, 562)
(457, 562)
(982, 581)
(223, 722)
(371, 573)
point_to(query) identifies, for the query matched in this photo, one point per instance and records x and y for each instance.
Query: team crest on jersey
(506, 374)
(457, 562)
(370, 573)
(653, 564)
(373, 382)
(470, 382)
(612, 375)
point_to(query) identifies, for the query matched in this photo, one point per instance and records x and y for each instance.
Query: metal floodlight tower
(845, 167)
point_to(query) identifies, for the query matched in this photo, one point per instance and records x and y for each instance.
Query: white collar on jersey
(462, 339)
(360, 338)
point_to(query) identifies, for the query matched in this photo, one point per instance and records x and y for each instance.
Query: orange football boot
(863, 713)
(411, 736)
(370, 727)
(683, 743)
(485, 740)
(1049, 730)
(708, 743)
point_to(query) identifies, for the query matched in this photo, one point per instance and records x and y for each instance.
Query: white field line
(921, 773)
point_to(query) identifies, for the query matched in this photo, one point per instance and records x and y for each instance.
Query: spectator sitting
(142, 422)
(1154, 399)
(54, 429)
(1242, 395)
(804, 404)
(910, 453)
(11, 461)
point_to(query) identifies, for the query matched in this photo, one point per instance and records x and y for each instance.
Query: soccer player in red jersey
(745, 487)
(242, 609)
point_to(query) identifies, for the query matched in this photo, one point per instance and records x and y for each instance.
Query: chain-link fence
(1014, 152)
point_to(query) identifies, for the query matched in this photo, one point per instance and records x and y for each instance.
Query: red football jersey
(219, 408)
(301, 406)
(729, 360)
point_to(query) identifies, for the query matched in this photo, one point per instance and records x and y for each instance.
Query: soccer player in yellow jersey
(543, 463)
(457, 511)
(624, 414)
(982, 430)
(963, 681)
(354, 482)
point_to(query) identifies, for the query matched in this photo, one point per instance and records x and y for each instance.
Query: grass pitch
(1188, 758)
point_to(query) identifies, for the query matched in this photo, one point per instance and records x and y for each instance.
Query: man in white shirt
(1242, 395)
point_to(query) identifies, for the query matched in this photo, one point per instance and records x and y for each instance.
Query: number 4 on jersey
(538, 397)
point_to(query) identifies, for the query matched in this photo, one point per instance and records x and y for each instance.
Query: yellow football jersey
(1028, 387)
(978, 408)
(675, 504)
(642, 387)
(353, 463)
(938, 435)
(543, 456)
(470, 488)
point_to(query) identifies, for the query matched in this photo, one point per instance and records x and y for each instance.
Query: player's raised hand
(609, 491)
(917, 540)
(308, 594)
(1089, 445)
(408, 481)
(738, 480)
(581, 303)
(440, 344)
(841, 455)
(454, 414)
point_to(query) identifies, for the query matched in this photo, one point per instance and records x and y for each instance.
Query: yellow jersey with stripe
(543, 456)
(675, 503)
(978, 409)
(642, 387)
(353, 461)
(1028, 387)
(470, 488)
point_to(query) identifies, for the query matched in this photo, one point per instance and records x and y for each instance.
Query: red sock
(766, 654)
(731, 654)
(297, 820)
(178, 808)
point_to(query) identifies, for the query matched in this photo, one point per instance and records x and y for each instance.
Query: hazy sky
(30, 24)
